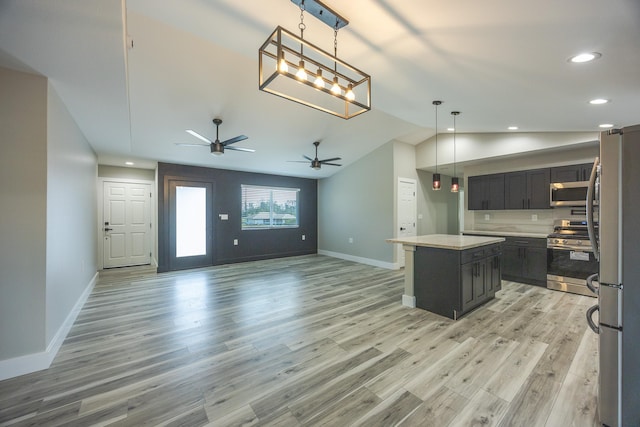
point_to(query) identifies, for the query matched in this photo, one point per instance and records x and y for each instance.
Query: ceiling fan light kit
(295, 69)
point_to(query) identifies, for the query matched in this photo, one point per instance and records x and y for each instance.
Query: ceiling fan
(315, 163)
(217, 147)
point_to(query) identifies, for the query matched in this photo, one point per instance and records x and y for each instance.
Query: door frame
(208, 259)
(399, 255)
(153, 242)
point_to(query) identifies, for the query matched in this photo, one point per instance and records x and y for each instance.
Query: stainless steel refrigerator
(616, 185)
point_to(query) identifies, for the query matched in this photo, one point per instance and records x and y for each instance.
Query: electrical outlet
(304, 237)
(419, 216)
(534, 217)
(350, 239)
(487, 217)
(235, 242)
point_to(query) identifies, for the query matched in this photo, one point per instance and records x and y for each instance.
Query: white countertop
(507, 233)
(447, 241)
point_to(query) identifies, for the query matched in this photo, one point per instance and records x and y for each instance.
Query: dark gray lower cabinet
(525, 260)
(452, 283)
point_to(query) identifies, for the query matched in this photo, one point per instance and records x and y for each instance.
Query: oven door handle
(570, 248)
(594, 327)
(590, 285)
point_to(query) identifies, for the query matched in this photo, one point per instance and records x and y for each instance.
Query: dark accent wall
(253, 244)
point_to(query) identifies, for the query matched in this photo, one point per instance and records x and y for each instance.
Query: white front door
(406, 212)
(127, 224)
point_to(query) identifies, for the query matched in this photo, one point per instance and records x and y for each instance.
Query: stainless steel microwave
(569, 193)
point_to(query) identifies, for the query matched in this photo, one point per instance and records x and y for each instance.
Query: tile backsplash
(525, 221)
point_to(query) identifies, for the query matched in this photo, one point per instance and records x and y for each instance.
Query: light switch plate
(487, 217)
(224, 217)
(235, 242)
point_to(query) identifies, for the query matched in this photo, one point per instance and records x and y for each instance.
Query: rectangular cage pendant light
(297, 70)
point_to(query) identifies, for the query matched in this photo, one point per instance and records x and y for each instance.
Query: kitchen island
(450, 274)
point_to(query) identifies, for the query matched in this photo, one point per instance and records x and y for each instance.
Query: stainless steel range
(570, 258)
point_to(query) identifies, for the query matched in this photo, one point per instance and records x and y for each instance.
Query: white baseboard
(33, 362)
(409, 301)
(361, 260)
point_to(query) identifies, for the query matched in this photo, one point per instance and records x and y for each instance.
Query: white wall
(23, 187)
(48, 244)
(357, 203)
(71, 214)
(484, 146)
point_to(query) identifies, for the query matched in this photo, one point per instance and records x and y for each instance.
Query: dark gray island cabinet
(451, 275)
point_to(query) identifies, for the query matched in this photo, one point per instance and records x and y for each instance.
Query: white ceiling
(499, 62)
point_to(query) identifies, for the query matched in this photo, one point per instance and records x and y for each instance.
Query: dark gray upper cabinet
(486, 192)
(527, 189)
(571, 173)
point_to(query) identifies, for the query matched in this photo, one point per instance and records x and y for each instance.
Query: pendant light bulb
(455, 184)
(301, 74)
(350, 95)
(437, 182)
(283, 68)
(335, 89)
(319, 82)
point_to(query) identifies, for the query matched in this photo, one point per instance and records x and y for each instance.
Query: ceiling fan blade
(197, 135)
(248, 150)
(308, 158)
(297, 161)
(234, 140)
(331, 164)
(330, 160)
(185, 144)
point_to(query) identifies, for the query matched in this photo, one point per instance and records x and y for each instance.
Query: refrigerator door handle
(594, 327)
(590, 285)
(590, 225)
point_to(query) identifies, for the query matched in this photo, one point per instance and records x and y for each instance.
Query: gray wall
(23, 188)
(358, 202)
(361, 202)
(439, 209)
(48, 245)
(71, 214)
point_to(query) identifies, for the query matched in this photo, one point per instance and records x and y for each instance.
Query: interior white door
(127, 224)
(406, 212)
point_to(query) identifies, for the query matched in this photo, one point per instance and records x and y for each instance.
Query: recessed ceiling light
(513, 128)
(606, 125)
(129, 163)
(585, 57)
(598, 101)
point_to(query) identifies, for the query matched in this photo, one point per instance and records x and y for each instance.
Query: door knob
(108, 229)
(402, 228)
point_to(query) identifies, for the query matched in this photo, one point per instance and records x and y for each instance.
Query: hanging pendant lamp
(437, 183)
(455, 185)
(337, 87)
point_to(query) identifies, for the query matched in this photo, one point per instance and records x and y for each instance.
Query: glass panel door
(190, 224)
(191, 221)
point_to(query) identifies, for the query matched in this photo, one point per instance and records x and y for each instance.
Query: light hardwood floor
(309, 340)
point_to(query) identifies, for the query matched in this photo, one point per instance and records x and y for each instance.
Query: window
(269, 207)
